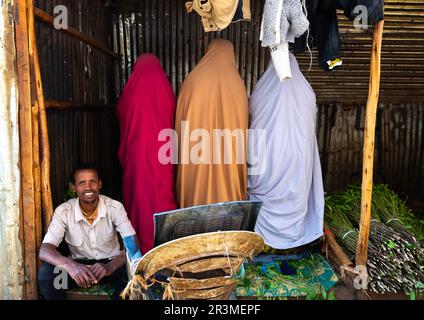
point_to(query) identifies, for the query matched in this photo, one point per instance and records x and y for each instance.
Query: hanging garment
(324, 33)
(324, 29)
(146, 106)
(213, 96)
(243, 11)
(217, 15)
(282, 22)
(290, 184)
(327, 33)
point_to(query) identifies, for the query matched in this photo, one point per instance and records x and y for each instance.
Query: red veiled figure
(146, 107)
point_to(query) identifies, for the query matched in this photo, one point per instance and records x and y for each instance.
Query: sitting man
(89, 224)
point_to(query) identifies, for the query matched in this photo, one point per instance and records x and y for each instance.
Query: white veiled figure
(290, 185)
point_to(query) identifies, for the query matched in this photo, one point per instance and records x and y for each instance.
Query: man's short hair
(81, 167)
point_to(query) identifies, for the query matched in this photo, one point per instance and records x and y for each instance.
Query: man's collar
(102, 210)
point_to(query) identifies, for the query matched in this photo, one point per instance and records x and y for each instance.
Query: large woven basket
(201, 266)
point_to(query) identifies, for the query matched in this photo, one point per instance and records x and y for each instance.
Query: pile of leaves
(395, 255)
(393, 212)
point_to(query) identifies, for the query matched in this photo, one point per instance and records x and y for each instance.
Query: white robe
(291, 186)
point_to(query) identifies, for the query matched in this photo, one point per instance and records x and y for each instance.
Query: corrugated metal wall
(75, 72)
(177, 38)
(84, 135)
(399, 146)
(84, 76)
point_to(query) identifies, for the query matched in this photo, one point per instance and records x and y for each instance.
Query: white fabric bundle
(291, 185)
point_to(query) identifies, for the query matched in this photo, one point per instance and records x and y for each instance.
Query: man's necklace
(90, 216)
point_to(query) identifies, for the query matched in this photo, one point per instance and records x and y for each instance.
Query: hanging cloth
(282, 22)
(146, 107)
(243, 11)
(213, 96)
(290, 185)
(324, 29)
(217, 15)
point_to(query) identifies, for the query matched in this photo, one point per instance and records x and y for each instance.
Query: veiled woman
(146, 107)
(211, 122)
(290, 183)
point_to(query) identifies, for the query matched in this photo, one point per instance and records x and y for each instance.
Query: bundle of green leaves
(395, 257)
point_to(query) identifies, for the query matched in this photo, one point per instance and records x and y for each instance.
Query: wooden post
(335, 247)
(368, 158)
(46, 197)
(28, 223)
(35, 131)
(56, 104)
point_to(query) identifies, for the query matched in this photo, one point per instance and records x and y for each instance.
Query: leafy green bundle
(395, 257)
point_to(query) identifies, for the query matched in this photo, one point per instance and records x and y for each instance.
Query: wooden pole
(368, 158)
(35, 132)
(56, 104)
(335, 247)
(46, 197)
(46, 18)
(28, 226)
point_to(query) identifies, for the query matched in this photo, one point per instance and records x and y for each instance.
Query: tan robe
(213, 96)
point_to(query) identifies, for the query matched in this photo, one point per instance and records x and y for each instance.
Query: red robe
(146, 106)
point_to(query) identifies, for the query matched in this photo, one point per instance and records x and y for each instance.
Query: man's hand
(101, 270)
(81, 273)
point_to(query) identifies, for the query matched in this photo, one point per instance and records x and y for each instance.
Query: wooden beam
(369, 138)
(44, 146)
(26, 154)
(46, 18)
(335, 247)
(37, 180)
(56, 104)
(35, 132)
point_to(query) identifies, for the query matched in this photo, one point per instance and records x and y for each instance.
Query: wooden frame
(28, 194)
(36, 201)
(35, 153)
(41, 121)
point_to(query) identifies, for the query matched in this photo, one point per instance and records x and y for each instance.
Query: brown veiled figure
(212, 167)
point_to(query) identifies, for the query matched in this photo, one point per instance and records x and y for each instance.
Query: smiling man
(89, 225)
